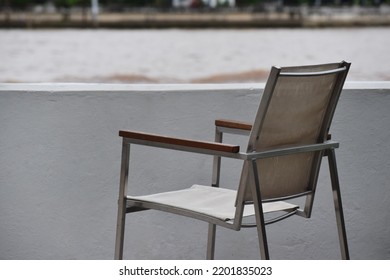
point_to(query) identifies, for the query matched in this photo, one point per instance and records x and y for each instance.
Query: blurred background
(59, 149)
(188, 41)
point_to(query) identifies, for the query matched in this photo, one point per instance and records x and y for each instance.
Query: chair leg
(214, 183)
(121, 219)
(120, 232)
(262, 236)
(211, 242)
(260, 223)
(338, 205)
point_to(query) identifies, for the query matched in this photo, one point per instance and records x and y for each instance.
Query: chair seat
(214, 202)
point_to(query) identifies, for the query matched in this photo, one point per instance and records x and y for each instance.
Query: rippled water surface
(185, 55)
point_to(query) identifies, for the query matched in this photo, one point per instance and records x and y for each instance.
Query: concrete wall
(60, 160)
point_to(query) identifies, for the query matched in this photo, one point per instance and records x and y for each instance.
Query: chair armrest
(238, 125)
(233, 124)
(149, 139)
(328, 145)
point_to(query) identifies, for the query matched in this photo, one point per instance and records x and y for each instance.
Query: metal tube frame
(329, 152)
(259, 215)
(260, 222)
(327, 147)
(243, 156)
(215, 183)
(310, 74)
(338, 205)
(122, 201)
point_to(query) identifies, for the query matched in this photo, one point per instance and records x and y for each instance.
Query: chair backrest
(296, 108)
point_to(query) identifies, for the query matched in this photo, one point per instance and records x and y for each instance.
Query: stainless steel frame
(327, 149)
(123, 205)
(322, 148)
(338, 204)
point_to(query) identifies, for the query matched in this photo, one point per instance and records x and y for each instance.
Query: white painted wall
(60, 160)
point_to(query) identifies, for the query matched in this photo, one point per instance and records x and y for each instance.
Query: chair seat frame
(125, 205)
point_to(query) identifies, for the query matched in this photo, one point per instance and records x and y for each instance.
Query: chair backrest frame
(334, 77)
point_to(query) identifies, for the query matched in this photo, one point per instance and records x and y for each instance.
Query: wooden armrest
(234, 124)
(180, 141)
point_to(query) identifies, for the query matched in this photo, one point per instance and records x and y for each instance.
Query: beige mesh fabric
(215, 202)
(296, 111)
(295, 116)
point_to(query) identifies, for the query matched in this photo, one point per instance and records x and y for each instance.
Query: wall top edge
(74, 87)
(124, 87)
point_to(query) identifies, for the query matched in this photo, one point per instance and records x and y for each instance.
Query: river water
(176, 56)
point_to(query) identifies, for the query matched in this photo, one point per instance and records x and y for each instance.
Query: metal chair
(287, 141)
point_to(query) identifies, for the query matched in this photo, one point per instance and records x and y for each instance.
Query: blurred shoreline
(289, 17)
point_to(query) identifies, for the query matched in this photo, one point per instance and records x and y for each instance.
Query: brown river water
(186, 56)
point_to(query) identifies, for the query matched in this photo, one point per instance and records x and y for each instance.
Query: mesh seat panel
(215, 202)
